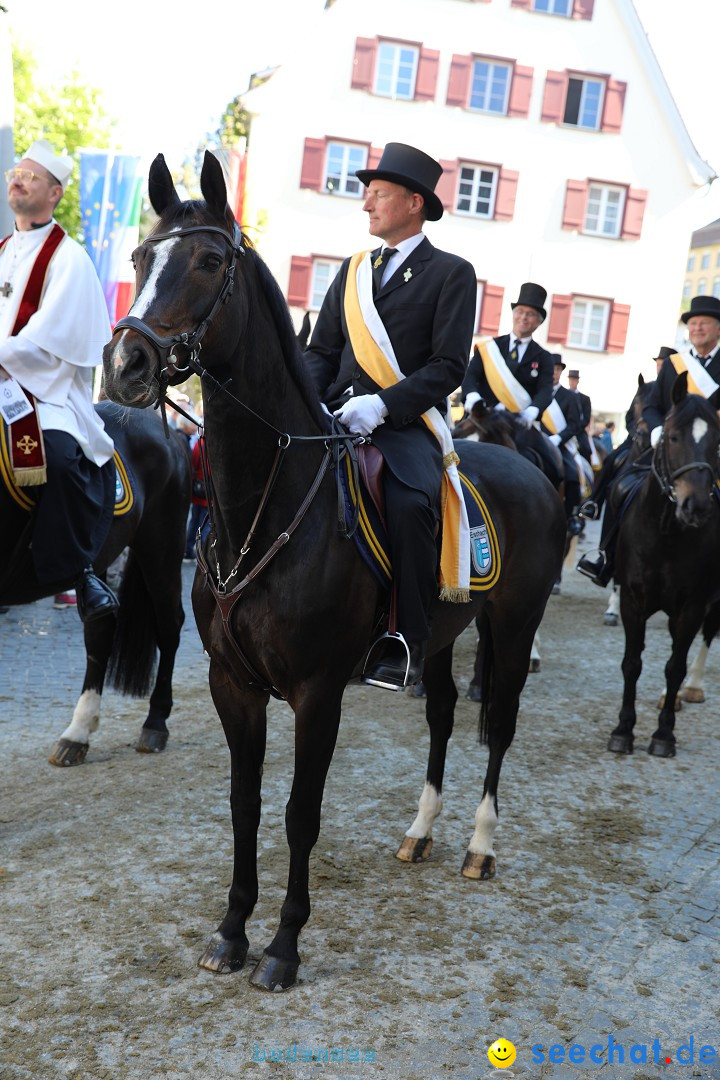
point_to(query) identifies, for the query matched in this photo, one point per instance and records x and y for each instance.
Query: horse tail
(488, 675)
(132, 660)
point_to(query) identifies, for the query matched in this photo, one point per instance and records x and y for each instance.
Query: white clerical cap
(42, 152)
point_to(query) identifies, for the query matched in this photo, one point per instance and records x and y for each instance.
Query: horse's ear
(212, 185)
(641, 382)
(161, 189)
(679, 390)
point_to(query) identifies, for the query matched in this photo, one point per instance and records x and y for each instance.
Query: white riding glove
(655, 435)
(527, 416)
(470, 400)
(362, 414)
(554, 439)
(499, 407)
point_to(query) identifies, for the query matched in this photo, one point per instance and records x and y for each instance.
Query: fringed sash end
(455, 596)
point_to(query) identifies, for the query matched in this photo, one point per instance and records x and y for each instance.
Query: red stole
(26, 441)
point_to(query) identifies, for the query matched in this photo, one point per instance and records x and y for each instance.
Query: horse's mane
(692, 407)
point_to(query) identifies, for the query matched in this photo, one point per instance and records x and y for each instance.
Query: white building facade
(565, 163)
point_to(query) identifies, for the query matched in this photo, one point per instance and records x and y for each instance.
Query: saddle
(625, 486)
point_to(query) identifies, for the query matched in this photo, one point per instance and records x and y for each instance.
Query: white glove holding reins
(362, 414)
(527, 416)
(554, 439)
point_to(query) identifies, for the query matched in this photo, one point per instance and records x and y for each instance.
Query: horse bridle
(666, 479)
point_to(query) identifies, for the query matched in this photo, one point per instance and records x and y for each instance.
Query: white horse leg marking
(486, 821)
(429, 808)
(696, 673)
(86, 718)
(161, 254)
(535, 651)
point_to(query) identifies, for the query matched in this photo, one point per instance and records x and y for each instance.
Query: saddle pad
(371, 539)
(124, 492)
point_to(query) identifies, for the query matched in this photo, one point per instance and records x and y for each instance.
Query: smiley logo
(502, 1053)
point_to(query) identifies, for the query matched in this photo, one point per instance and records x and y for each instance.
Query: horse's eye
(212, 263)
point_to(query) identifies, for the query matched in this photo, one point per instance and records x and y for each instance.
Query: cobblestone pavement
(596, 951)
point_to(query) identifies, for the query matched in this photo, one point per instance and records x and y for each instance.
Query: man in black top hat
(703, 323)
(573, 378)
(425, 299)
(527, 361)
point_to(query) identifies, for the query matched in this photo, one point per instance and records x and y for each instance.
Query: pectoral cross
(6, 289)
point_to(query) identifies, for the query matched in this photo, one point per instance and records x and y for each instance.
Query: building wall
(311, 97)
(702, 271)
(7, 99)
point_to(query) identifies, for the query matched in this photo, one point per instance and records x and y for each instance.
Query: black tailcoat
(534, 372)
(659, 400)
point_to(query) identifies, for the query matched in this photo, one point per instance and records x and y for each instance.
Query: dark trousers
(411, 523)
(74, 510)
(198, 516)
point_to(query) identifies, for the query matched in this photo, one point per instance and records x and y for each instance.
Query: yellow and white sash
(554, 420)
(503, 383)
(374, 353)
(699, 382)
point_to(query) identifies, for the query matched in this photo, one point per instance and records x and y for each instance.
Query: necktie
(704, 360)
(379, 266)
(514, 351)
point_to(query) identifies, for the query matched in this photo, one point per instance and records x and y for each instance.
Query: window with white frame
(477, 190)
(705, 261)
(343, 159)
(323, 272)
(717, 260)
(490, 86)
(584, 102)
(690, 263)
(396, 70)
(701, 287)
(554, 7)
(686, 290)
(604, 210)
(589, 323)
(716, 288)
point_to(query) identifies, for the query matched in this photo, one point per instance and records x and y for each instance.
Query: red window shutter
(617, 327)
(583, 9)
(374, 155)
(427, 73)
(526, 5)
(614, 104)
(300, 277)
(559, 324)
(576, 193)
(505, 196)
(490, 310)
(458, 90)
(446, 188)
(364, 64)
(635, 202)
(554, 97)
(313, 164)
(520, 90)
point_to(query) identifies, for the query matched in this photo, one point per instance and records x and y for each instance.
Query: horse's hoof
(416, 690)
(662, 699)
(478, 867)
(620, 744)
(534, 666)
(66, 752)
(273, 974)
(151, 741)
(414, 849)
(474, 693)
(661, 748)
(610, 619)
(223, 957)
(693, 695)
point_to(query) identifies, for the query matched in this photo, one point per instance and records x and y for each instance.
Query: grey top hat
(573, 374)
(532, 295)
(702, 305)
(664, 352)
(402, 164)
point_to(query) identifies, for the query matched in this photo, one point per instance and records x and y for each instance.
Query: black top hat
(532, 295)
(665, 351)
(413, 169)
(702, 305)
(557, 359)
(573, 374)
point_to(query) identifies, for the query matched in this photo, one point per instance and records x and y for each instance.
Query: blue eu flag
(109, 186)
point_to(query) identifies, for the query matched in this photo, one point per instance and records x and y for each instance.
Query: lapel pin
(378, 262)
(407, 275)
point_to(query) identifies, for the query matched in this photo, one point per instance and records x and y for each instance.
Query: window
(591, 102)
(588, 324)
(490, 86)
(701, 289)
(324, 270)
(396, 70)
(690, 263)
(717, 260)
(686, 290)
(583, 103)
(716, 288)
(604, 213)
(343, 160)
(554, 7)
(705, 261)
(477, 190)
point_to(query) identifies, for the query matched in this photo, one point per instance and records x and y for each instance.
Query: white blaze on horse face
(699, 429)
(429, 807)
(161, 254)
(486, 821)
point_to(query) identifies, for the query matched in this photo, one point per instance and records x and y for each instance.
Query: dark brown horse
(150, 521)
(284, 603)
(667, 556)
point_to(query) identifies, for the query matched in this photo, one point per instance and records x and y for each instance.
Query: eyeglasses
(24, 175)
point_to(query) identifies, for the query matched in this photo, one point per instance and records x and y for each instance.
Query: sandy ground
(600, 925)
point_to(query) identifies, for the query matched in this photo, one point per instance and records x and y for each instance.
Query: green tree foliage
(70, 116)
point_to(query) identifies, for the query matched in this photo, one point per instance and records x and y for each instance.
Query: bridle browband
(666, 479)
